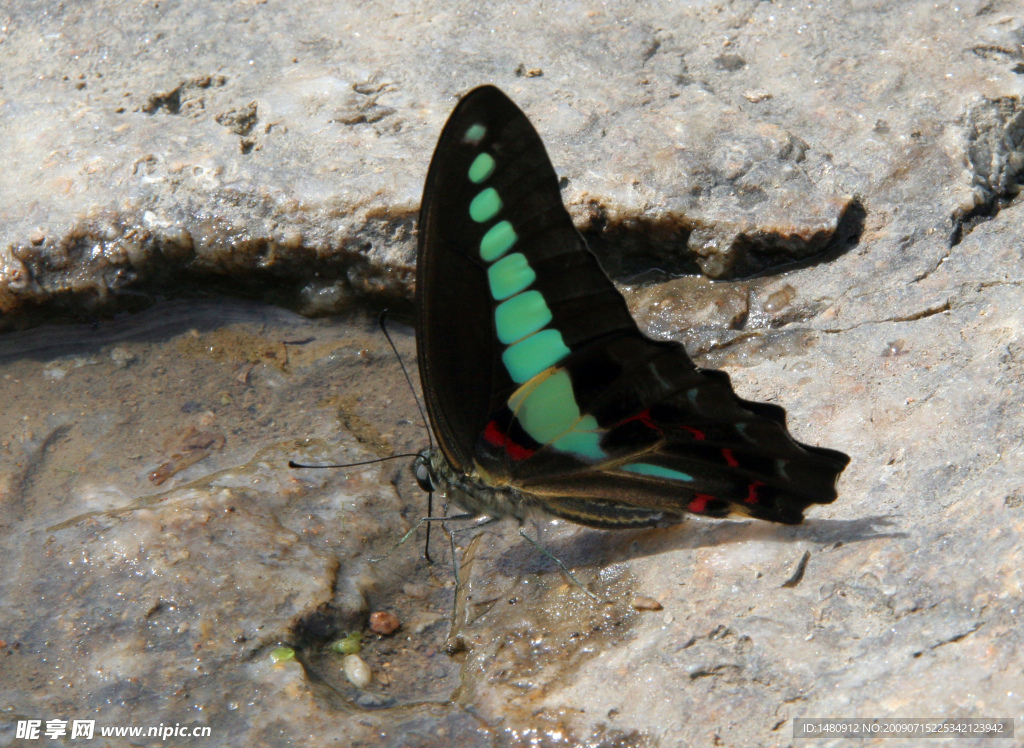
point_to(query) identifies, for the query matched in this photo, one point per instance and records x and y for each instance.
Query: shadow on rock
(595, 548)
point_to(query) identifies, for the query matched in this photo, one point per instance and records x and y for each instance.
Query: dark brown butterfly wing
(536, 375)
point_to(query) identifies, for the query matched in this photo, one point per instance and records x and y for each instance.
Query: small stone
(523, 72)
(895, 348)
(383, 622)
(351, 644)
(122, 358)
(282, 654)
(357, 671)
(646, 603)
(757, 95)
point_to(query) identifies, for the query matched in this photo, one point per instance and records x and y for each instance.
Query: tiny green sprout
(282, 654)
(350, 645)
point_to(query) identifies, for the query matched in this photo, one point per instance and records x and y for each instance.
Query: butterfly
(545, 397)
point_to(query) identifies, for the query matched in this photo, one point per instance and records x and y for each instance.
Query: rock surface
(280, 149)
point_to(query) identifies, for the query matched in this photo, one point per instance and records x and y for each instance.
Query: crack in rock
(953, 639)
(716, 670)
(928, 312)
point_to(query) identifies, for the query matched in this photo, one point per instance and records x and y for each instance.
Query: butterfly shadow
(599, 548)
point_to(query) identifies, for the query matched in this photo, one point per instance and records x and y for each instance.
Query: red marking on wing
(644, 417)
(699, 503)
(697, 433)
(752, 492)
(516, 451)
(494, 436)
(730, 458)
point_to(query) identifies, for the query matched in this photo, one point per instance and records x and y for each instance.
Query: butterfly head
(422, 469)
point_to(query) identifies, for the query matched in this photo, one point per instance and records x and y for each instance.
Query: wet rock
(874, 152)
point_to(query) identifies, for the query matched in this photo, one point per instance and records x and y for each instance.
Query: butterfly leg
(561, 566)
(457, 518)
(452, 647)
(451, 539)
(392, 549)
(414, 528)
(482, 523)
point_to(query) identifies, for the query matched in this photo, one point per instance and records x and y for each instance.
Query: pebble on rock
(282, 654)
(383, 622)
(357, 671)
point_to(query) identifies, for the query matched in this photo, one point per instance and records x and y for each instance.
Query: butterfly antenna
(382, 321)
(294, 464)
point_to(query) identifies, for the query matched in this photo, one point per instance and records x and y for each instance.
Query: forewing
(491, 184)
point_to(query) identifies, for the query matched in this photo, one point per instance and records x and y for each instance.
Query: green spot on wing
(644, 468)
(548, 409)
(485, 205)
(520, 316)
(474, 134)
(530, 356)
(497, 241)
(510, 275)
(482, 167)
(548, 412)
(584, 439)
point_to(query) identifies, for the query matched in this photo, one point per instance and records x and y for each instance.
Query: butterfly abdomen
(480, 494)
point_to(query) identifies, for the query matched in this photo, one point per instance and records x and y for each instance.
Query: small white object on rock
(122, 357)
(357, 671)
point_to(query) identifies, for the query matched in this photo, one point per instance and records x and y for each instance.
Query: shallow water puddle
(160, 548)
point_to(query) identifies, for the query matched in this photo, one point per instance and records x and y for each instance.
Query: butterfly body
(476, 493)
(545, 397)
(482, 496)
